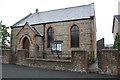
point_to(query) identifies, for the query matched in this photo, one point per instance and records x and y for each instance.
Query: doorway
(26, 45)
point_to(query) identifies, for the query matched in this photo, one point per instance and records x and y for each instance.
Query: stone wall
(14, 39)
(109, 61)
(18, 35)
(62, 32)
(77, 63)
(6, 56)
(100, 45)
(87, 37)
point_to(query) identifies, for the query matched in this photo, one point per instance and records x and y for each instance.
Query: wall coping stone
(109, 50)
(22, 49)
(79, 51)
(49, 60)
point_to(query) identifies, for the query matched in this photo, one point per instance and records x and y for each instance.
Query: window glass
(50, 36)
(74, 36)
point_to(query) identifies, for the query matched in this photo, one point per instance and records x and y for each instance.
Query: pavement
(16, 71)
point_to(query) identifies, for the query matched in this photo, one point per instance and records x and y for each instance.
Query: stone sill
(50, 60)
(110, 49)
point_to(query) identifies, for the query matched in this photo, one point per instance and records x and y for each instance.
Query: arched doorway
(26, 45)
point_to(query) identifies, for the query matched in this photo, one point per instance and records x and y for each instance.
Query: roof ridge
(65, 8)
(57, 15)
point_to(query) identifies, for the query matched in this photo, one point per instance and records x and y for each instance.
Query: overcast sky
(12, 11)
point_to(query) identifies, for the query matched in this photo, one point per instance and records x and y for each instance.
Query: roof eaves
(34, 30)
(91, 17)
(113, 24)
(37, 32)
(31, 28)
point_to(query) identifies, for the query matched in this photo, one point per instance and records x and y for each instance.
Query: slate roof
(115, 17)
(35, 30)
(72, 13)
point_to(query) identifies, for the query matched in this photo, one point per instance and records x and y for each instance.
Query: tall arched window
(50, 38)
(74, 36)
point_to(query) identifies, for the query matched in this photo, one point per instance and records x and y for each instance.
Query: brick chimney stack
(37, 10)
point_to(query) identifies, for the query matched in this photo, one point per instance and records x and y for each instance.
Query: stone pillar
(80, 60)
(22, 54)
(109, 61)
(6, 56)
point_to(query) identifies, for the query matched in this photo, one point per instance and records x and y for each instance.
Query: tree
(117, 42)
(4, 35)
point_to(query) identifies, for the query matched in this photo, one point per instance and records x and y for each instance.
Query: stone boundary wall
(6, 56)
(78, 62)
(109, 61)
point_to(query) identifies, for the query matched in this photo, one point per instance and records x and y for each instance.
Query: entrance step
(93, 68)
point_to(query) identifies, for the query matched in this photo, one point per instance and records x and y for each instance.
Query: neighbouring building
(119, 8)
(74, 26)
(116, 22)
(116, 25)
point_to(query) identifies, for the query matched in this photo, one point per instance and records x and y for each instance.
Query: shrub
(117, 42)
(90, 59)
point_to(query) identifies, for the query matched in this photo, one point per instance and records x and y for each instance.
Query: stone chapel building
(74, 26)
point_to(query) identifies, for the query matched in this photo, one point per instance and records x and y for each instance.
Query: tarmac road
(15, 71)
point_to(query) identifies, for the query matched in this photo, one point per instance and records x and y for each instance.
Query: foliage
(67, 58)
(117, 42)
(90, 59)
(4, 34)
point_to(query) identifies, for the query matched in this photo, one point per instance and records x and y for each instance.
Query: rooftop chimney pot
(37, 10)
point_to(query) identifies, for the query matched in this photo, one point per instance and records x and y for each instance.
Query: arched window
(50, 38)
(74, 36)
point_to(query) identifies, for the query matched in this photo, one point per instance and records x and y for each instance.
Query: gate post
(22, 54)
